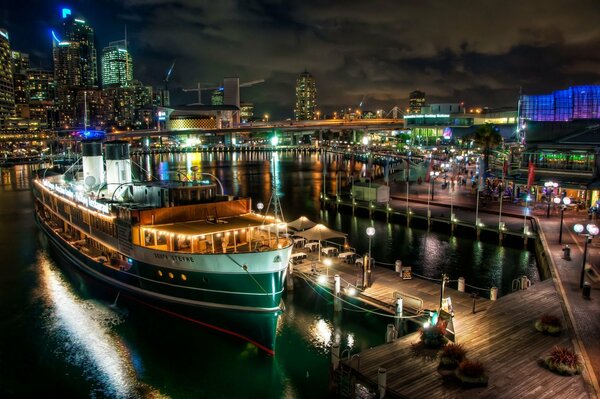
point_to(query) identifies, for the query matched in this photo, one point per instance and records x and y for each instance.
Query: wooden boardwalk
(501, 334)
(385, 282)
(503, 337)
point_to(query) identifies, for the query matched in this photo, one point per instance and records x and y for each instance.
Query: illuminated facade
(75, 65)
(117, 65)
(216, 97)
(416, 101)
(20, 65)
(247, 112)
(76, 30)
(7, 99)
(306, 97)
(124, 105)
(577, 102)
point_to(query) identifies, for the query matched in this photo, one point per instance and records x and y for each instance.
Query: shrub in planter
(471, 372)
(548, 324)
(563, 361)
(452, 355)
(433, 336)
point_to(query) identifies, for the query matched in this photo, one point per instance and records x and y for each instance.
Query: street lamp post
(433, 176)
(565, 201)
(550, 186)
(527, 199)
(367, 265)
(592, 231)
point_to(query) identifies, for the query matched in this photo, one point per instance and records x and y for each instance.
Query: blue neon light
(90, 134)
(65, 12)
(55, 37)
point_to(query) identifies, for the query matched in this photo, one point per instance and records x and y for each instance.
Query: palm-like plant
(487, 137)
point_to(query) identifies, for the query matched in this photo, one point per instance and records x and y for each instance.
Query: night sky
(480, 52)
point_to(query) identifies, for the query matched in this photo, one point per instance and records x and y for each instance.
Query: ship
(179, 246)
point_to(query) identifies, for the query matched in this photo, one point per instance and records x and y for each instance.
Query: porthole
(160, 274)
(183, 277)
(171, 275)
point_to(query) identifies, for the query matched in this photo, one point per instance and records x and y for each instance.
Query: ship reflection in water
(84, 331)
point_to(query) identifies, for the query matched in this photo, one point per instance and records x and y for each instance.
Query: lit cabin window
(160, 274)
(183, 277)
(171, 275)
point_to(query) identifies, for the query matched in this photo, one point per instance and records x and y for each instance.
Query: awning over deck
(203, 227)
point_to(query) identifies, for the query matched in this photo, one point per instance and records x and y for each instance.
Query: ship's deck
(204, 227)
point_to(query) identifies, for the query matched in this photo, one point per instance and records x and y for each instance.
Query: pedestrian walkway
(582, 314)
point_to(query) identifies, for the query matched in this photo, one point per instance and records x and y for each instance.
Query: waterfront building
(247, 112)
(117, 65)
(445, 123)
(578, 102)
(306, 97)
(197, 116)
(216, 97)
(416, 101)
(561, 131)
(7, 97)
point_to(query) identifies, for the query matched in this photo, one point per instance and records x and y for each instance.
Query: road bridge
(279, 126)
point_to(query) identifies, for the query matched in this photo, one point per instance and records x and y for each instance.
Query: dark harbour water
(60, 334)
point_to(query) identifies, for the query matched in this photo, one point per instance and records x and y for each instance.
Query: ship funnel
(118, 165)
(93, 164)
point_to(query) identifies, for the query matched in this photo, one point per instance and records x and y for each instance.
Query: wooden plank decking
(500, 334)
(503, 337)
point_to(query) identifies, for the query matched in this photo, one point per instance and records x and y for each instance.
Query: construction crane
(211, 86)
(166, 81)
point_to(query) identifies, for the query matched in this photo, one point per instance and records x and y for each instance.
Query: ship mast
(274, 200)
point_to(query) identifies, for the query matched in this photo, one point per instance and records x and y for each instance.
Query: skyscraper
(20, 65)
(117, 65)
(416, 101)
(75, 65)
(76, 30)
(7, 97)
(306, 97)
(42, 94)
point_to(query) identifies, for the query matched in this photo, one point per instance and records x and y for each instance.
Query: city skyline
(482, 55)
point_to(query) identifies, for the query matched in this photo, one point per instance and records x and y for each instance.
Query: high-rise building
(75, 65)
(216, 97)
(7, 97)
(246, 112)
(124, 104)
(306, 97)
(117, 65)
(20, 65)
(416, 101)
(76, 30)
(42, 94)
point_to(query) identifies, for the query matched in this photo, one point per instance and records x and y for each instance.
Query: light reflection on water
(299, 179)
(85, 336)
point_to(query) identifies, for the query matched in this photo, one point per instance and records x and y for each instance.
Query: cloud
(481, 52)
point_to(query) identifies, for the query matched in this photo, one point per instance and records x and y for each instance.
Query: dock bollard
(337, 300)
(461, 284)
(381, 381)
(390, 333)
(493, 293)
(399, 314)
(335, 355)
